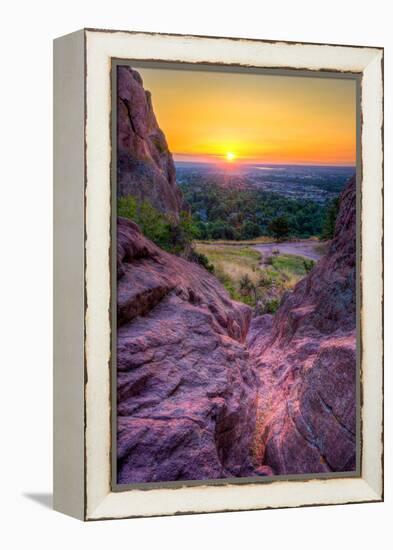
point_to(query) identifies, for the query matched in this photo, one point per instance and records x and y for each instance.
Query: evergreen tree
(329, 222)
(279, 227)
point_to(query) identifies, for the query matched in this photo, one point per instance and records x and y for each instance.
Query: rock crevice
(307, 363)
(203, 391)
(201, 385)
(186, 390)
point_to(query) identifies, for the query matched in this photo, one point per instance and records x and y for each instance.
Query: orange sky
(258, 118)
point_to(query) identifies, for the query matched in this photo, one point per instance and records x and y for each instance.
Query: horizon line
(263, 163)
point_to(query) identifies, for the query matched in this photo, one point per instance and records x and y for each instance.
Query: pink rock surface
(204, 394)
(145, 167)
(187, 393)
(307, 364)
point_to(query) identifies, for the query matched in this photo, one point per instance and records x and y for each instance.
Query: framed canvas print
(218, 274)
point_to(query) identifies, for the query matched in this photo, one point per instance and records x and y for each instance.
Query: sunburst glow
(236, 118)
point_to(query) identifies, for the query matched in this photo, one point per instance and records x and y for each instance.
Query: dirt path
(307, 249)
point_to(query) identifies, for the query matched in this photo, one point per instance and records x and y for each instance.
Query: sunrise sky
(243, 117)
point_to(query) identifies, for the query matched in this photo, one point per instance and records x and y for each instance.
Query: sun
(230, 156)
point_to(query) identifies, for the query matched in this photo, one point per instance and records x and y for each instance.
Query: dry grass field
(248, 279)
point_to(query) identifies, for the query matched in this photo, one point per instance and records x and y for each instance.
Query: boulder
(187, 393)
(307, 363)
(145, 167)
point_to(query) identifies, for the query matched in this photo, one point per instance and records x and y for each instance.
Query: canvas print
(236, 274)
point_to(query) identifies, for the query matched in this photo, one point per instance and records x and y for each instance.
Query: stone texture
(205, 394)
(187, 393)
(307, 364)
(145, 167)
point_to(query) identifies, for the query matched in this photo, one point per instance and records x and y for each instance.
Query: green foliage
(249, 230)
(201, 259)
(279, 227)
(272, 305)
(296, 265)
(153, 224)
(329, 222)
(182, 234)
(159, 228)
(259, 292)
(308, 265)
(265, 280)
(176, 238)
(127, 207)
(239, 269)
(232, 214)
(246, 286)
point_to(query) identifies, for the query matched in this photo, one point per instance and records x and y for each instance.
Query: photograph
(235, 326)
(197, 303)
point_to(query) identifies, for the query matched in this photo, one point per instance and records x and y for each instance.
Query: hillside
(186, 391)
(203, 394)
(145, 167)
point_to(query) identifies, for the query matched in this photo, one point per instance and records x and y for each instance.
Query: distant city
(315, 183)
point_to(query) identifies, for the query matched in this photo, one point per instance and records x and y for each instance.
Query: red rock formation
(193, 403)
(186, 391)
(145, 167)
(307, 364)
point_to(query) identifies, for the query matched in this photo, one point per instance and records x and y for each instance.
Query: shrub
(127, 208)
(329, 222)
(293, 264)
(201, 259)
(246, 286)
(227, 282)
(249, 230)
(156, 226)
(265, 281)
(279, 227)
(269, 260)
(308, 265)
(272, 305)
(152, 223)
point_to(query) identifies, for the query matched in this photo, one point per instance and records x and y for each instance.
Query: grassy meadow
(249, 242)
(250, 278)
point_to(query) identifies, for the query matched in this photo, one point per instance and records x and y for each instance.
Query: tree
(236, 208)
(172, 235)
(250, 230)
(221, 230)
(127, 207)
(329, 222)
(182, 235)
(279, 227)
(153, 224)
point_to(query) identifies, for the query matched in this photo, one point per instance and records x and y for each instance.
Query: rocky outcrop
(205, 394)
(306, 357)
(145, 167)
(187, 393)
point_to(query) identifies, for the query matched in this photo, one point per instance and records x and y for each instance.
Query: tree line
(218, 213)
(233, 214)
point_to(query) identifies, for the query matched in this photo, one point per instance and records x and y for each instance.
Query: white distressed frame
(100, 47)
